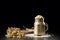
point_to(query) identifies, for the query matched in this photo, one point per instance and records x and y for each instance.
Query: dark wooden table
(32, 38)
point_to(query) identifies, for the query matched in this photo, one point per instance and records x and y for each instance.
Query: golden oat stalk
(14, 32)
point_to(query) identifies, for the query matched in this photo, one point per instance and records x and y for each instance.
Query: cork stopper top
(39, 17)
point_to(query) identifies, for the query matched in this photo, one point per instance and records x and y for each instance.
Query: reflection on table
(32, 38)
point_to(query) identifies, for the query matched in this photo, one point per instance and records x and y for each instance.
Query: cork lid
(39, 17)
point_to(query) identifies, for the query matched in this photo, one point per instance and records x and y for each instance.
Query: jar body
(39, 29)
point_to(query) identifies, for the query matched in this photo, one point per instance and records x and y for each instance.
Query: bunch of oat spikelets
(13, 32)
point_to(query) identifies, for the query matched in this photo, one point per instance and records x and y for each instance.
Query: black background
(22, 13)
